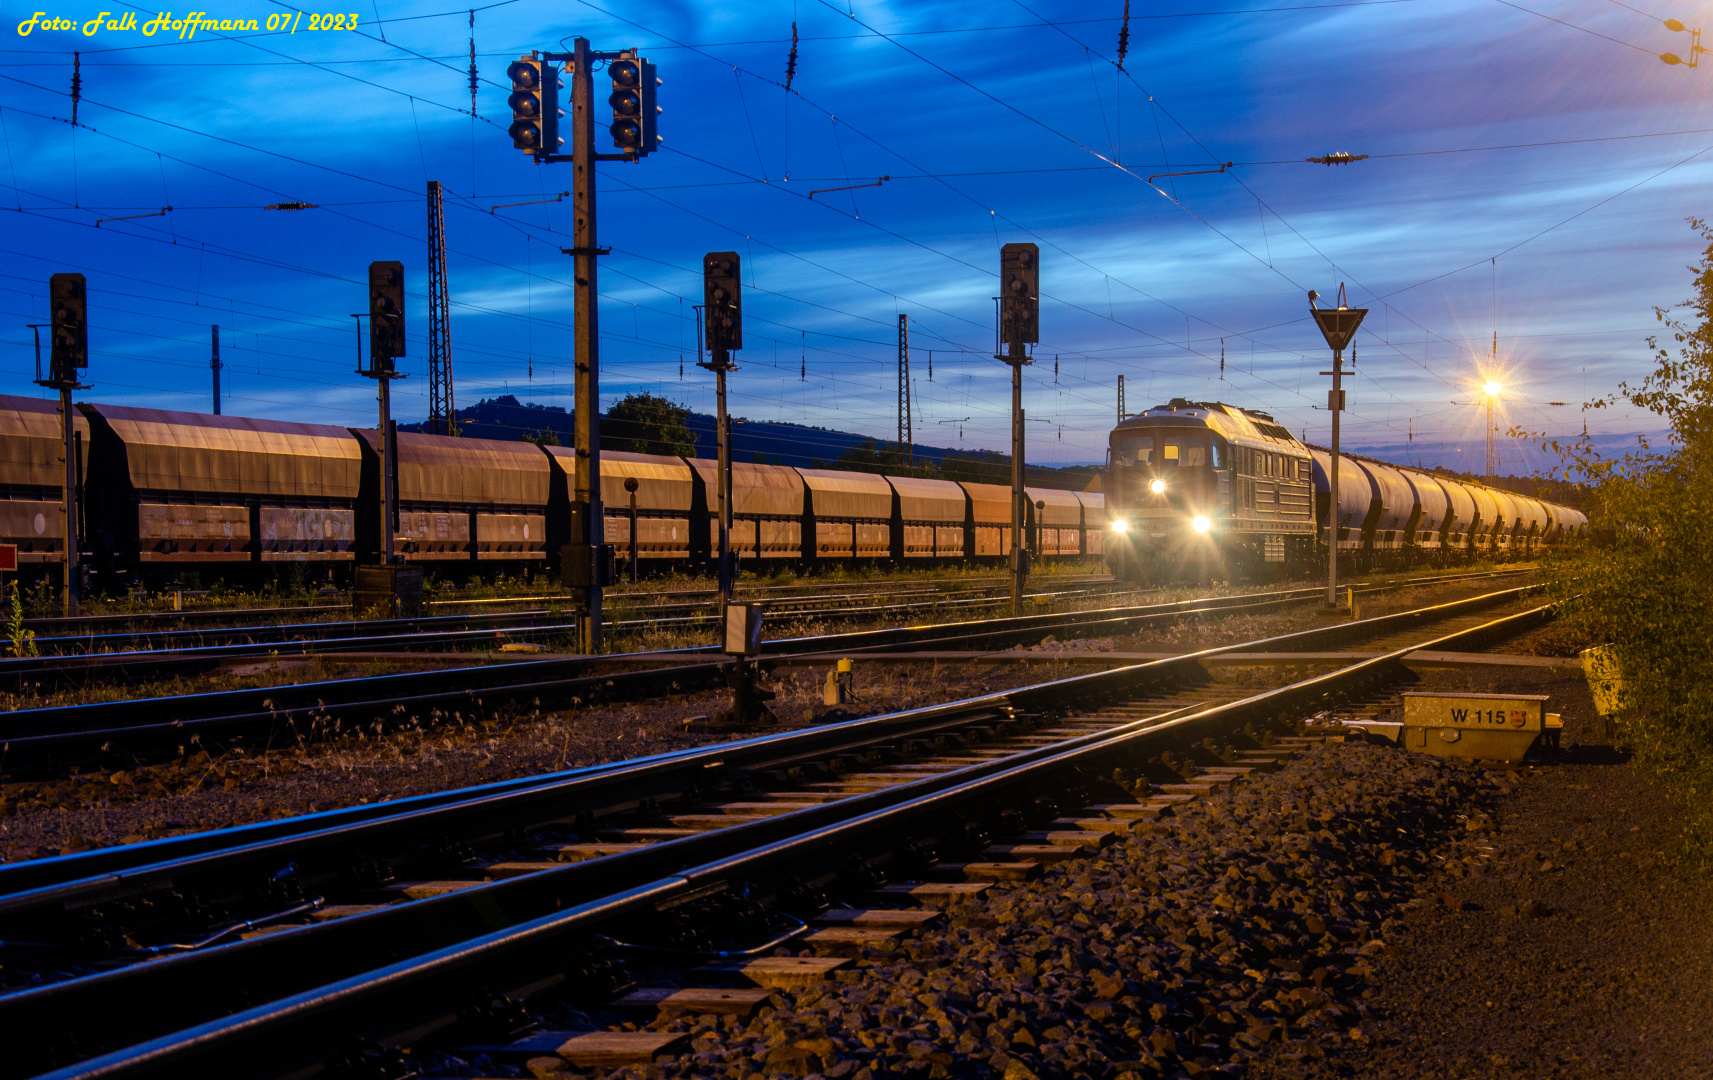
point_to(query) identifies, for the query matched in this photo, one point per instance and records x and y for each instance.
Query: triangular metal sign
(1338, 325)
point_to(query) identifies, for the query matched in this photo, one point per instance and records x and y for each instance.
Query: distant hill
(766, 441)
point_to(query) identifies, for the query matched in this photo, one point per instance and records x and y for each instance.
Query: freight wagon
(241, 498)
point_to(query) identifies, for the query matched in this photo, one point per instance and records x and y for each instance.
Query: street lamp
(1491, 389)
(1337, 325)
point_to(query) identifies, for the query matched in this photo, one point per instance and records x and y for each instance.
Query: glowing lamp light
(1201, 524)
(1120, 526)
(1491, 388)
(1158, 487)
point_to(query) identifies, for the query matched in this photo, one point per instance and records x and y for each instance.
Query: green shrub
(1644, 586)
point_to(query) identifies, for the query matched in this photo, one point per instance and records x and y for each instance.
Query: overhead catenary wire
(1109, 312)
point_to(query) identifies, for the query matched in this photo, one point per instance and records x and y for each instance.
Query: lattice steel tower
(906, 434)
(442, 418)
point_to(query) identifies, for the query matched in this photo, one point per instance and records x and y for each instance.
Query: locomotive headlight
(1120, 526)
(1158, 487)
(1201, 524)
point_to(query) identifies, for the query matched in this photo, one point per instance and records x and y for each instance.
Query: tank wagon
(1205, 489)
(237, 497)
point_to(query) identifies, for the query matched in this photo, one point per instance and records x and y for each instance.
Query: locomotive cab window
(1133, 450)
(1185, 450)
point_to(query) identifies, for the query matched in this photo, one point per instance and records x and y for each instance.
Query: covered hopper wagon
(242, 498)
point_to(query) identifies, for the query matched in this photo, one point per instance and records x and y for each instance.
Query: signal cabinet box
(387, 592)
(1495, 726)
(743, 629)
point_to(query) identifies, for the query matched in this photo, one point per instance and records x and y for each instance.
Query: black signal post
(1337, 325)
(1019, 324)
(386, 344)
(630, 489)
(535, 131)
(722, 298)
(68, 306)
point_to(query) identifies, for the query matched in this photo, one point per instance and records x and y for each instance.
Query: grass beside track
(41, 602)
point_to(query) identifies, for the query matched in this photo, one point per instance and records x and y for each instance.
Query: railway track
(1378, 633)
(411, 910)
(82, 627)
(49, 739)
(188, 652)
(481, 628)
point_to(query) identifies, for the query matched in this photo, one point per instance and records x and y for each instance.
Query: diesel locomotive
(1206, 490)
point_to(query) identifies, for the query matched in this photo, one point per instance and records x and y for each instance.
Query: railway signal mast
(1019, 325)
(386, 344)
(69, 313)
(1337, 325)
(722, 297)
(587, 561)
(214, 362)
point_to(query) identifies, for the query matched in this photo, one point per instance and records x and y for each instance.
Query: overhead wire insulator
(473, 79)
(1340, 158)
(791, 61)
(1124, 36)
(76, 84)
(1695, 49)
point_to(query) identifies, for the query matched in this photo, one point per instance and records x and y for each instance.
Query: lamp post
(1337, 325)
(1491, 389)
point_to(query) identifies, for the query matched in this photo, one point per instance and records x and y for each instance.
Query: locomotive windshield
(1168, 450)
(1184, 450)
(1133, 450)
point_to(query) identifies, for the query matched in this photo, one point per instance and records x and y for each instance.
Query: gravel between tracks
(219, 789)
(1245, 931)
(1362, 913)
(39, 818)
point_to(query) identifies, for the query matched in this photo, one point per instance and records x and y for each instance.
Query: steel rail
(53, 736)
(306, 639)
(37, 890)
(263, 637)
(43, 625)
(104, 870)
(401, 1000)
(142, 663)
(291, 632)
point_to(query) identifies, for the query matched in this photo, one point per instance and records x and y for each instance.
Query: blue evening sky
(1524, 176)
